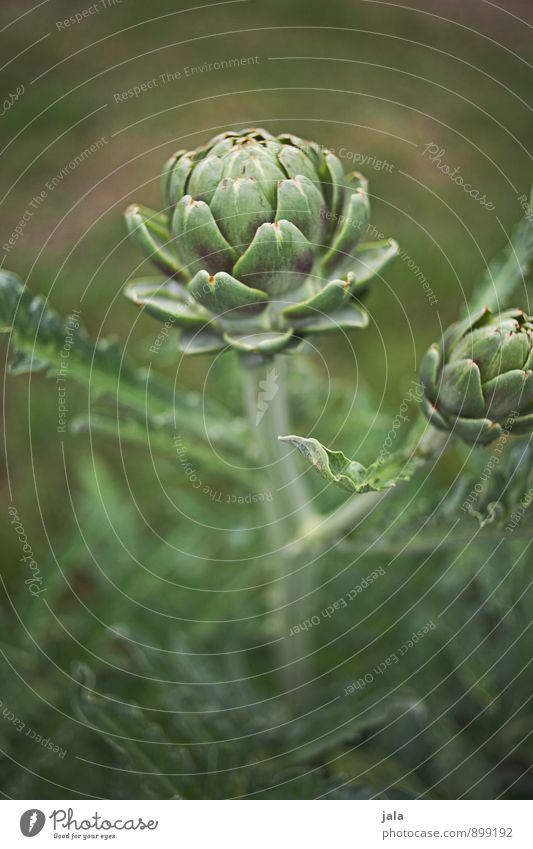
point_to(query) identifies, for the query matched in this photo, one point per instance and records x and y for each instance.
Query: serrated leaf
(352, 476)
(38, 337)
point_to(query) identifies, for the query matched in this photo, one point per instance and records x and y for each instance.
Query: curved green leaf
(150, 230)
(266, 342)
(222, 293)
(349, 318)
(369, 260)
(352, 476)
(352, 225)
(334, 295)
(166, 301)
(509, 268)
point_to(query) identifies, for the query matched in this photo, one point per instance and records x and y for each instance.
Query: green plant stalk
(345, 519)
(288, 511)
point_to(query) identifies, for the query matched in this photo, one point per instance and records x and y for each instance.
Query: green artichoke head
(478, 381)
(261, 241)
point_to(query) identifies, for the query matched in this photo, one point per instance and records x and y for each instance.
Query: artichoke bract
(478, 382)
(261, 244)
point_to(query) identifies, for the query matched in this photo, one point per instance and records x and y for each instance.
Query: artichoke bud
(254, 225)
(478, 382)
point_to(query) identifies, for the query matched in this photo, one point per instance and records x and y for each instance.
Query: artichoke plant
(479, 381)
(261, 244)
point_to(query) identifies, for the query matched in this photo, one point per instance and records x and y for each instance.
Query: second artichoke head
(478, 382)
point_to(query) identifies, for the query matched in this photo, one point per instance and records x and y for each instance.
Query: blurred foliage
(149, 658)
(154, 671)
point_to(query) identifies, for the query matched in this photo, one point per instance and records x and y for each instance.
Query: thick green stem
(294, 532)
(344, 520)
(287, 510)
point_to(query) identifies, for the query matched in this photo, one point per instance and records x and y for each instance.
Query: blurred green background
(141, 603)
